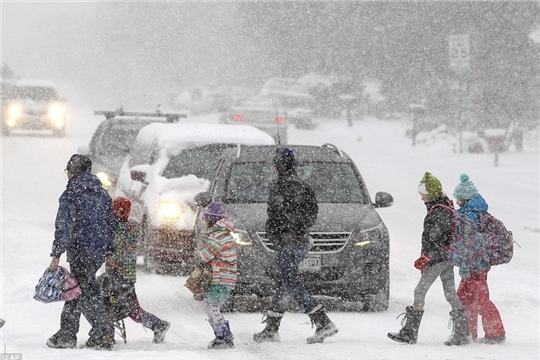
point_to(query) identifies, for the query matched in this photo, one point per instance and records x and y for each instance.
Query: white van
(166, 167)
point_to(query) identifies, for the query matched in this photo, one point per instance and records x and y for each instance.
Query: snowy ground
(33, 179)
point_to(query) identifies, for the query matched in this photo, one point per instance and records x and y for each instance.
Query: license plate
(311, 263)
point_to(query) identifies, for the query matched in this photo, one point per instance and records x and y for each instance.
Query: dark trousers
(89, 303)
(287, 280)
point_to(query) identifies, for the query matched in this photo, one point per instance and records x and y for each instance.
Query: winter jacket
(84, 222)
(471, 208)
(292, 209)
(219, 250)
(437, 230)
(127, 237)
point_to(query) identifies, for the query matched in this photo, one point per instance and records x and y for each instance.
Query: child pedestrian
(219, 250)
(124, 265)
(434, 263)
(474, 291)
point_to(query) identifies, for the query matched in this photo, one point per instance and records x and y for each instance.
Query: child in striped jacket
(219, 250)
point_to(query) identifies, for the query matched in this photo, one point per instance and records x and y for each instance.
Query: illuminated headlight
(241, 238)
(14, 112)
(56, 113)
(104, 179)
(170, 210)
(11, 122)
(367, 237)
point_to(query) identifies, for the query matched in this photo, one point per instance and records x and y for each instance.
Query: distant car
(112, 141)
(166, 167)
(349, 257)
(32, 105)
(262, 112)
(294, 98)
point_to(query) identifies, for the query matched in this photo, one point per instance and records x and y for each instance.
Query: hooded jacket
(84, 224)
(292, 208)
(472, 206)
(437, 230)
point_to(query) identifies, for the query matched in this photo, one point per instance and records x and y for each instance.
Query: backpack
(57, 286)
(466, 249)
(498, 241)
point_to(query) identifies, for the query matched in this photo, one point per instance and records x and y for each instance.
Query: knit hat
(430, 186)
(215, 211)
(121, 208)
(78, 164)
(284, 159)
(465, 189)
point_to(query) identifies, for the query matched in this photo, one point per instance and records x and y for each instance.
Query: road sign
(460, 58)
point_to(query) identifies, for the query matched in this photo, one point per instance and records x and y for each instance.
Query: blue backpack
(466, 248)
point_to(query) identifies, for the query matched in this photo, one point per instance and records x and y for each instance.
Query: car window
(332, 182)
(291, 102)
(199, 161)
(36, 93)
(117, 141)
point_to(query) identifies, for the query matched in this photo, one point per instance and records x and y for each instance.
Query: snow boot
(492, 340)
(324, 327)
(2, 322)
(160, 329)
(57, 341)
(270, 331)
(460, 329)
(224, 338)
(105, 343)
(411, 323)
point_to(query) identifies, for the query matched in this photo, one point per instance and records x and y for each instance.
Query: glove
(421, 263)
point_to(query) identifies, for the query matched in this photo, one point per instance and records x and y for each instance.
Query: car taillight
(280, 119)
(237, 117)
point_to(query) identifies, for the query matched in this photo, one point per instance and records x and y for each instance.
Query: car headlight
(367, 237)
(56, 113)
(105, 180)
(14, 111)
(241, 238)
(170, 210)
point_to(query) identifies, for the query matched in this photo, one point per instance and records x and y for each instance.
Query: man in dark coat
(85, 231)
(292, 210)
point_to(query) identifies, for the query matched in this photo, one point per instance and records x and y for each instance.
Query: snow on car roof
(175, 137)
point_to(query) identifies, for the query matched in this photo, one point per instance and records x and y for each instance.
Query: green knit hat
(430, 186)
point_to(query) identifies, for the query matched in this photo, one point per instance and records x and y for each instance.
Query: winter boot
(492, 340)
(57, 341)
(411, 323)
(460, 329)
(2, 322)
(224, 337)
(270, 331)
(105, 343)
(160, 329)
(324, 327)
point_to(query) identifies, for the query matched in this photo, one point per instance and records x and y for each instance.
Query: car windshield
(292, 102)
(332, 182)
(117, 141)
(199, 161)
(36, 93)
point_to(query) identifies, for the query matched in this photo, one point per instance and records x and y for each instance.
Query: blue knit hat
(465, 189)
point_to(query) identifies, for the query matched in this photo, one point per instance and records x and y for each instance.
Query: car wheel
(59, 133)
(377, 302)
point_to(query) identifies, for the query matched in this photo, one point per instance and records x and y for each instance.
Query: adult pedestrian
(434, 263)
(291, 209)
(474, 291)
(85, 231)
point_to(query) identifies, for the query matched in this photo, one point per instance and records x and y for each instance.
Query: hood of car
(331, 217)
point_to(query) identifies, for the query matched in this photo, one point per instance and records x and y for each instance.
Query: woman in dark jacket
(433, 263)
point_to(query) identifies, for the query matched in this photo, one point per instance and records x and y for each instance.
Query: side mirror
(383, 199)
(203, 198)
(84, 150)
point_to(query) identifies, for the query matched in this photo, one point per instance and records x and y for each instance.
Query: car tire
(59, 133)
(377, 302)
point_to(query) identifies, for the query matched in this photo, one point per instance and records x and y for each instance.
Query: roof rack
(333, 146)
(171, 117)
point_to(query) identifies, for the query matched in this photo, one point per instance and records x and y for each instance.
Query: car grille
(323, 242)
(34, 112)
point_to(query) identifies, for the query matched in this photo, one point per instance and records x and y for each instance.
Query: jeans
(444, 270)
(287, 280)
(89, 303)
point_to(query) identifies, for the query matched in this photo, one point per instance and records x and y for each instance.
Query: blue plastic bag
(51, 286)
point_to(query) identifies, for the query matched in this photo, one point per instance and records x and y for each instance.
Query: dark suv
(349, 258)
